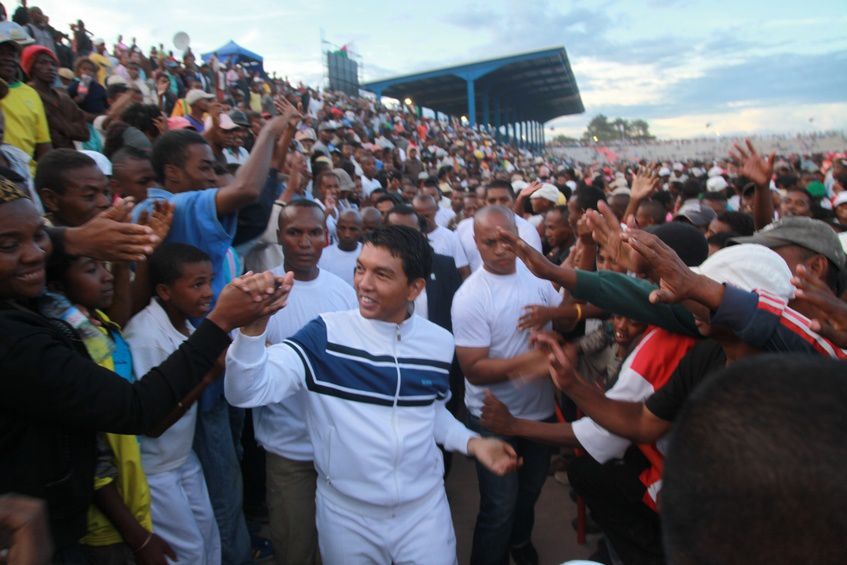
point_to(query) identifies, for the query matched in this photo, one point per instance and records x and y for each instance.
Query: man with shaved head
(340, 258)
(371, 219)
(443, 241)
(280, 428)
(495, 355)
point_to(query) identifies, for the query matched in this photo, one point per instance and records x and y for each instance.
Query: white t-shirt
(485, 313)
(236, 156)
(464, 230)
(281, 428)
(340, 263)
(152, 338)
(369, 185)
(444, 215)
(445, 242)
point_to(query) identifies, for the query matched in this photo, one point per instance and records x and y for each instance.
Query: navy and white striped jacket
(376, 403)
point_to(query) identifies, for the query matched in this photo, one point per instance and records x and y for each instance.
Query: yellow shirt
(131, 482)
(256, 102)
(26, 122)
(104, 66)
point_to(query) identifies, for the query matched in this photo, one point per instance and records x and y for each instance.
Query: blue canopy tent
(232, 53)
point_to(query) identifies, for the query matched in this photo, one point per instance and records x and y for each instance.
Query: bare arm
(480, 369)
(251, 176)
(632, 420)
(759, 170)
(497, 418)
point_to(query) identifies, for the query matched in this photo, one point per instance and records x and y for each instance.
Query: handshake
(251, 298)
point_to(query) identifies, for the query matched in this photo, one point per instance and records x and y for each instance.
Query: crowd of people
(229, 300)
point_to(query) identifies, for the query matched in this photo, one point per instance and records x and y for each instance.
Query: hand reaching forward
(534, 260)
(562, 359)
(160, 219)
(753, 166)
(495, 455)
(676, 281)
(607, 232)
(109, 236)
(832, 320)
(495, 416)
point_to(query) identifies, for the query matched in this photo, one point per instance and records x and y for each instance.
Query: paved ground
(553, 536)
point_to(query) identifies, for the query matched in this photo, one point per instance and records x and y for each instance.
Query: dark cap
(240, 118)
(687, 241)
(698, 217)
(812, 234)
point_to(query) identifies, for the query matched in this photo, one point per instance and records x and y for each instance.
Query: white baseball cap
(10, 31)
(750, 266)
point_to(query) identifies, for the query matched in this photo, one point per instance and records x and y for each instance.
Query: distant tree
(563, 139)
(601, 130)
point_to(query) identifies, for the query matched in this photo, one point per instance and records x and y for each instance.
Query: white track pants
(182, 513)
(422, 535)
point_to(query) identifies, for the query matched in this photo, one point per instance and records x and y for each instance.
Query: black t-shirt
(703, 360)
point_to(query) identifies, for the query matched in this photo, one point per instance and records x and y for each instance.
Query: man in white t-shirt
(443, 241)
(496, 356)
(497, 193)
(340, 258)
(369, 180)
(281, 428)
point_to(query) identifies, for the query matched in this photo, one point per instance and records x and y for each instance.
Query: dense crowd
(226, 299)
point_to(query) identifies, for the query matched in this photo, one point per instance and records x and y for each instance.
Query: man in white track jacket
(377, 381)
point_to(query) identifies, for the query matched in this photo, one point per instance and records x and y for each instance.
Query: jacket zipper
(394, 417)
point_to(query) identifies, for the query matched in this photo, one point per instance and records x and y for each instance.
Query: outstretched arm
(497, 418)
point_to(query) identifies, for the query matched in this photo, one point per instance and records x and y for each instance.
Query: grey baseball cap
(812, 234)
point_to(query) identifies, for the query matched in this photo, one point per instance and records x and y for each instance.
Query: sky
(690, 68)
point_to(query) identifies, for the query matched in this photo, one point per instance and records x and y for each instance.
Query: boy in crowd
(181, 278)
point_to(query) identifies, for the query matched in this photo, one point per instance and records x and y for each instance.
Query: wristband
(578, 312)
(143, 545)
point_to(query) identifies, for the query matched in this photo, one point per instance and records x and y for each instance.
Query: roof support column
(497, 119)
(471, 102)
(536, 135)
(486, 117)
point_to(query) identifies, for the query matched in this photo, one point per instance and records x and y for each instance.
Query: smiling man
(375, 381)
(281, 428)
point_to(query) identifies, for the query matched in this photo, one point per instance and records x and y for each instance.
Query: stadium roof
(536, 86)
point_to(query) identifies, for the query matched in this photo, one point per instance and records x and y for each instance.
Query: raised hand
(676, 281)
(752, 165)
(160, 219)
(161, 123)
(562, 358)
(607, 232)
(535, 261)
(645, 182)
(109, 236)
(287, 111)
(831, 321)
(534, 186)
